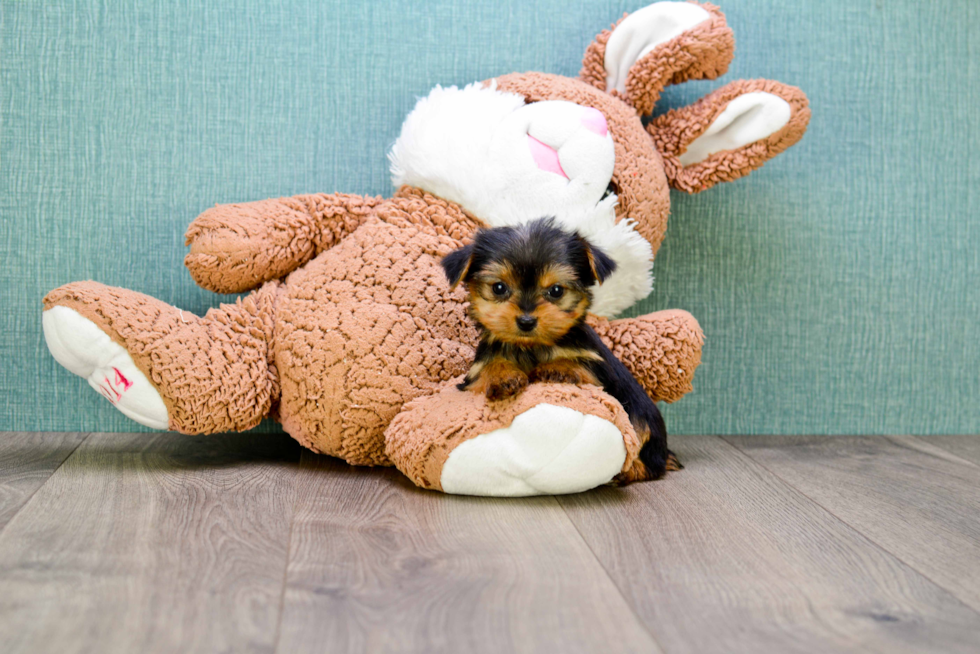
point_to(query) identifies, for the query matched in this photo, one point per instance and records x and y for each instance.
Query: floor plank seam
(289, 551)
(925, 439)
(35, 492)
(605, 571)
(853, 528)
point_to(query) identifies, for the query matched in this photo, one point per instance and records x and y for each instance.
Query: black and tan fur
(529, 290)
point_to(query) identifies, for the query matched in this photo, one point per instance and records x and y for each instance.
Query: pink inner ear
(594, 121)
(545, 156)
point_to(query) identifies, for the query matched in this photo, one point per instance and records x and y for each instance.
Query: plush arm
(236, 247)
(661, 349)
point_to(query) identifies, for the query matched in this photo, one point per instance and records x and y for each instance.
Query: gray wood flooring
(248, 543)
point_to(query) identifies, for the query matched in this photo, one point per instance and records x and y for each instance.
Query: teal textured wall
(838, 286)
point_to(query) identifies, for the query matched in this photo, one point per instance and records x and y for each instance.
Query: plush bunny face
(503, 157)
(509, 158)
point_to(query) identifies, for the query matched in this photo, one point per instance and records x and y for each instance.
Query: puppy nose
(527, 323)
(594, 121)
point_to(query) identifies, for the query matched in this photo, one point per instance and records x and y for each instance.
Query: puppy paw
(505, 384)
(555, 377)
(636, 472)
(562, 372)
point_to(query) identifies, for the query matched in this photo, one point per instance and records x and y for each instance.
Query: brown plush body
(350, 335)
(338, 347)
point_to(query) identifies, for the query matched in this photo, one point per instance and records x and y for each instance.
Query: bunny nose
(594, 121)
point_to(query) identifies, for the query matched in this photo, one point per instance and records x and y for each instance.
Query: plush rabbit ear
(729, 133)
(663, 43)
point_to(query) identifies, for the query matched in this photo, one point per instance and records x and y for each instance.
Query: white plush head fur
(509, 162)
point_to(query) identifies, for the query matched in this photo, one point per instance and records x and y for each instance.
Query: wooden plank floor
(241, 543)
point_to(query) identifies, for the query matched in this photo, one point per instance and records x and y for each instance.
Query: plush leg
(164, 367)
(661, 349)
(550, 439)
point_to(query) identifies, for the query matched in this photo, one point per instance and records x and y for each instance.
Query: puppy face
(528, 284)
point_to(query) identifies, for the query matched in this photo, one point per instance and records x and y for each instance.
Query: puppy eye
(499, 289)
(609, 191)
(556, 291)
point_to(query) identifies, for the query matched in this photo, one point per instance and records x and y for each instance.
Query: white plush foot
(79, 345)
(547, 450)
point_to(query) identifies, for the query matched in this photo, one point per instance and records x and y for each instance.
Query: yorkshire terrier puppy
(529, 292)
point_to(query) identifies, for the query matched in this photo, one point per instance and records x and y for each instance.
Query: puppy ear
(600, 263)
(457, 265)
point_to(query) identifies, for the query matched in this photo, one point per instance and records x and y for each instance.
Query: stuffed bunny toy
(350, 335)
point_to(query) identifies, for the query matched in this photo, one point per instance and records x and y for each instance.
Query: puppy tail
(654, 453)
(655, 459)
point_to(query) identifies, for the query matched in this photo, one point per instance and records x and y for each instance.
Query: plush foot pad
(81, 347)
(547, 450)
